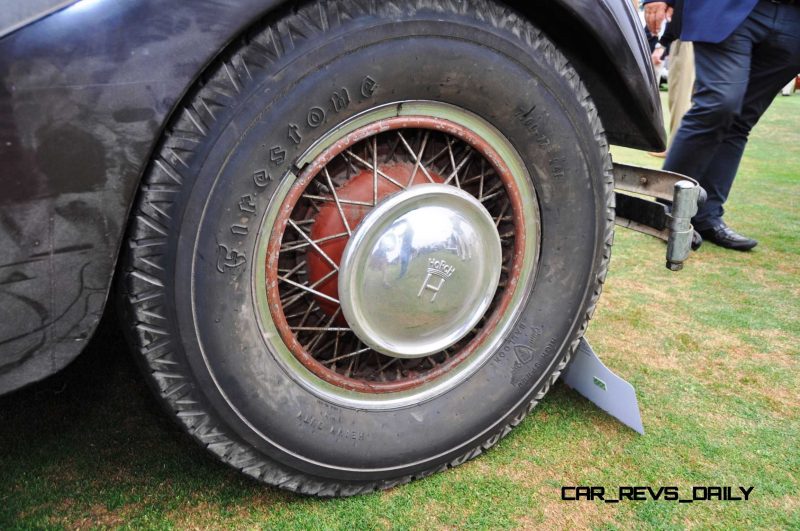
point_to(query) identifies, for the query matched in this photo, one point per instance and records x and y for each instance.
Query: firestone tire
(193, 246)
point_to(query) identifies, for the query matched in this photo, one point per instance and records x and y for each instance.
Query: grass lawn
(713, 352)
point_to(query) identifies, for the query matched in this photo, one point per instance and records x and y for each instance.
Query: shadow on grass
(92, 439)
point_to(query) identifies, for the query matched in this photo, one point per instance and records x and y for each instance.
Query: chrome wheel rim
(323, 339)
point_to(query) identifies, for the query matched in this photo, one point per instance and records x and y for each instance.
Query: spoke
(298, 314)
(496, 186)
(499, 218)
(361, 359)
(293, 246)
(335, 347)
(494, 191)
(417, 158)
(316, 337)
(295, 269)
(483, 173)
(468, 168)
(351, 168)
(392, 151)
(326, 345)
(294, 293)
(313, 342)
(348, 355)
(288, 303)
(374, 169)
(336, 199)
(456, 169)
(452, 162)
(310, 309)
(414, 155)
(290, 272)
(315, 246)
(490, 196)
(435, 157)
(331, 200)
(314, 205)
(387, 364)
(305, 229)
(310, 290)
(349, 370)
(325, 329)
(320, 328)
(488, 172)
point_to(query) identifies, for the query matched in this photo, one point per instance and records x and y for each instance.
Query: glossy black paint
(84, 95)
(15, 15)
(604, 41)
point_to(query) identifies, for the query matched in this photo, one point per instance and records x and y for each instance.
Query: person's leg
(681, 83)
(775, 61)
(722, 72)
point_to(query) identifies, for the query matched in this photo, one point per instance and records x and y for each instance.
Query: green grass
(713, 352)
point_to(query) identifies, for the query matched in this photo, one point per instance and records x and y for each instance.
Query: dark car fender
(85, 94)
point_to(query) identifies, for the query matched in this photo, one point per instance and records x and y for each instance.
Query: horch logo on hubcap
(438, 273)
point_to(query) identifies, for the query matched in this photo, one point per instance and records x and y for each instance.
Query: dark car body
(88, 87)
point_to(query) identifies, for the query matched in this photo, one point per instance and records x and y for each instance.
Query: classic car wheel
(369, 242)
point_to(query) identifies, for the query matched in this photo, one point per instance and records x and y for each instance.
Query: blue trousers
(736, 80)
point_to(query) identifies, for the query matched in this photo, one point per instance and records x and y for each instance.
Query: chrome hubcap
(420, 271)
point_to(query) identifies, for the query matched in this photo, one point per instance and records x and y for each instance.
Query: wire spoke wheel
(327, 205)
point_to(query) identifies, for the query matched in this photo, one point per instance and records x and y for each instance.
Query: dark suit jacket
(709, 20)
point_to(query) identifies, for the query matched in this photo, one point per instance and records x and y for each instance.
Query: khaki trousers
(681, 83)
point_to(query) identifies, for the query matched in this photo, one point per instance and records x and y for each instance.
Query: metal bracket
(600, 385)
(669, 218)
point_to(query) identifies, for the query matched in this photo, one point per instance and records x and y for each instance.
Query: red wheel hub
(356, 197)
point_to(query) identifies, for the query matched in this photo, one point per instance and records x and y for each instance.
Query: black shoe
(697, 240)
(726, 237)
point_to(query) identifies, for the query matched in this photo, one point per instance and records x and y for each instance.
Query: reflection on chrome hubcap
(420, 271)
